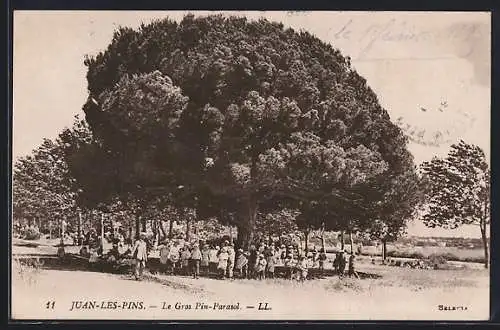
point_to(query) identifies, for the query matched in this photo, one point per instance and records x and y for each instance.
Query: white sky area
(411, 60)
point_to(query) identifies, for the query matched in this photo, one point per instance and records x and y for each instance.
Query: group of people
(259, 261)
(339, 264)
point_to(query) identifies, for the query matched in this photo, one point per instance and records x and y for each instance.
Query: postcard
(250, 165)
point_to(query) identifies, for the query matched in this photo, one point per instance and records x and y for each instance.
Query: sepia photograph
(250, 165)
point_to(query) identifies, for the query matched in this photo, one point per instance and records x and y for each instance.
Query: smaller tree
(459, 191)
(386, 218)
(43, 187)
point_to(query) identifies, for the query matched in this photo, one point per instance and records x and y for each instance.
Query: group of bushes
(31, 234)
(438, 257)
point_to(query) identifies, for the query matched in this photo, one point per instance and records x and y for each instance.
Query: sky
(431, 71)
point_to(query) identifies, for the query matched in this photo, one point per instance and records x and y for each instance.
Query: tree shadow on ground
(68, 263)
(77, 263)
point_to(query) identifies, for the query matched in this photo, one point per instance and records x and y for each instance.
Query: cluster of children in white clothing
(258, 262)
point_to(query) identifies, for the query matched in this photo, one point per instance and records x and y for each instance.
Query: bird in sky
(444, 105)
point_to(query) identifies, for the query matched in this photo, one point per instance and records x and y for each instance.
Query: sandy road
(324, 299)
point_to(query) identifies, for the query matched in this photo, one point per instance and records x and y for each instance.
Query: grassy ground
(383, 293)
(394, 293)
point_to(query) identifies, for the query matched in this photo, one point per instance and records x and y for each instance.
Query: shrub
(26, 270)
(405, 254)
(473, 259)
(345, 285)
(31, 234)
(438, 259)
(416, 255)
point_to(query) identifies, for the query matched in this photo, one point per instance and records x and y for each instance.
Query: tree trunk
(484, 238)
(171, 228)
(384, 250)
(323, 236)
(245, 235)
(79, 228)
(350, 241)
(188, 229)
(61, 231)
(144, 224)
(137, 226)
(342, 240)
(306, 240)
(102, 230)
(163, 231)
(247, 227)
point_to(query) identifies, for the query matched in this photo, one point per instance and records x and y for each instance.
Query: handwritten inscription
(395, 30)
(431, 138)
(448, 133)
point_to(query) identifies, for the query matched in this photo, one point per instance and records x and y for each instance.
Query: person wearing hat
(223, 261)
(196, 260)
(164, 253)
(271, 263)
(351, 271)
(261, 267)
(241, 264)
(114, 254)
(231, 260)
(185, 257)
(310, 259)
(302, 270)
(173, 257)
(252, 261)
(341, 264)
(336, 262)
(140, 254)
(289, 263)
(205, 258)
(289, 249)
(262, 248)
(283, 254)
(321, 260)
(213, 258)
(315, 257)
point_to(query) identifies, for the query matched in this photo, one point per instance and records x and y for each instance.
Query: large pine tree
(240, 111)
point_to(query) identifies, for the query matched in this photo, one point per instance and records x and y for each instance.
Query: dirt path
(391, 298)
